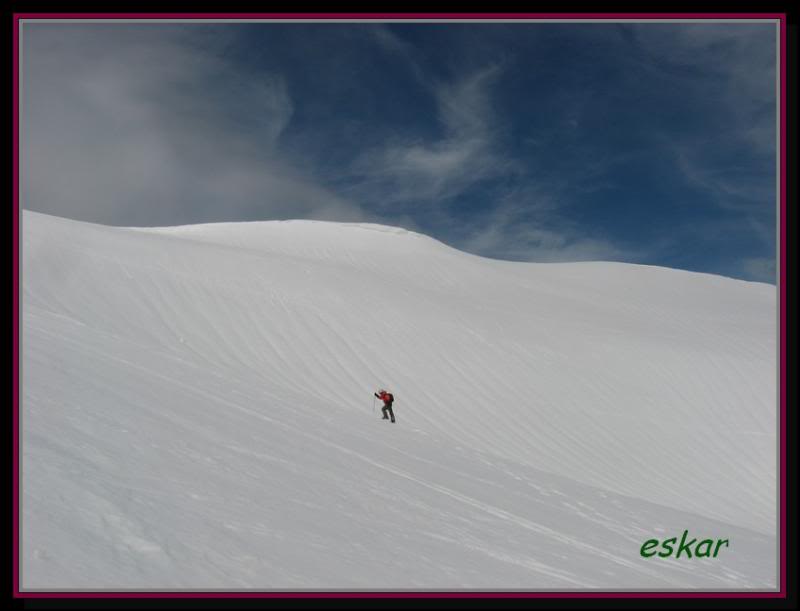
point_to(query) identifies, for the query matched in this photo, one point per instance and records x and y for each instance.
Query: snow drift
(197, 412)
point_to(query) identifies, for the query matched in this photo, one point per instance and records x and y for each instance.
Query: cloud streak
(435, 169)
(151, 125)
(527, 225)
(729, 65)
(727, 75)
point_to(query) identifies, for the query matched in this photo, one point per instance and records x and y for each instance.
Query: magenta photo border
(781, 593)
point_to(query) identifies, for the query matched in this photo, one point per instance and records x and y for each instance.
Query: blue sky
(644, 143)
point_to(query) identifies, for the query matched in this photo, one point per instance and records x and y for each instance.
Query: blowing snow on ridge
(197, 412)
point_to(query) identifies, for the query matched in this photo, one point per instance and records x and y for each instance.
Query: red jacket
(386, 397)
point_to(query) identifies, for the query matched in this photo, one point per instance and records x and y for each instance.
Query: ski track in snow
(197, 413)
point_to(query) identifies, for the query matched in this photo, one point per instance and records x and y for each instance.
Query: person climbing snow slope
(388, 399)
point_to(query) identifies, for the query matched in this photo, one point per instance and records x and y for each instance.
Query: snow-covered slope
(197, 412)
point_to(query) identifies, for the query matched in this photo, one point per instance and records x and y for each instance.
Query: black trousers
(387, 408)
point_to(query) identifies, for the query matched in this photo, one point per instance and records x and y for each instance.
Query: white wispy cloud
(434, 168)
(522, 220)
(394, 45)
(527, 225)
(732, 67)
(732, 185)
(151, 125)
(529, 242)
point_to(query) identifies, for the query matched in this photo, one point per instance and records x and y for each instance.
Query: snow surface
(197, 412)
